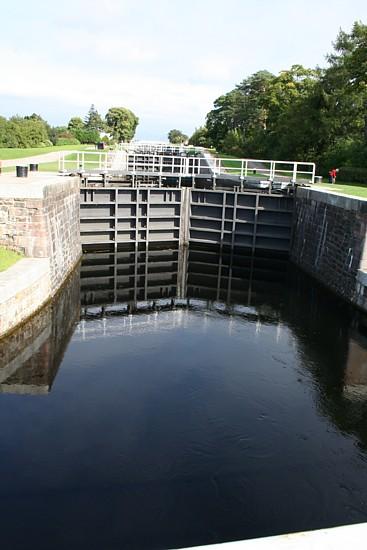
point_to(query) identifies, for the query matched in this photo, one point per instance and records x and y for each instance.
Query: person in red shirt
(332, 175)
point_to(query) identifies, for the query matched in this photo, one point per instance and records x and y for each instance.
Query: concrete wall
(39, 216)
(329, 241)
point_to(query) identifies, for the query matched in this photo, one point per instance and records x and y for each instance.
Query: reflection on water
(202, 397)
(31, 355)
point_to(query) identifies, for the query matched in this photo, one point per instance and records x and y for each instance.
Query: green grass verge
(8, 258)
(354, 189)
(16, 153)
(54, 165)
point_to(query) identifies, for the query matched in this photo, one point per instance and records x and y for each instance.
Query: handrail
(182, 165)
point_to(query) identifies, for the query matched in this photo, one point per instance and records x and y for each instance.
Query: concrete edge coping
(335, 538)
(36, 186)
(22, 275)
(348, 202)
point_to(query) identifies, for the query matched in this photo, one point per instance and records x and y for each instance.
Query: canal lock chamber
(174, 395)
(187, 385)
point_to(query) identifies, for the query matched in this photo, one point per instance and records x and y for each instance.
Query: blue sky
(166, 60)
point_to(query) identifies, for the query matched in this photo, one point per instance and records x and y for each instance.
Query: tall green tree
(346, 82)
(226, 116)
(293, 115)
(122, 123)
(200, 137)
(177, 137)
(3, 131)
(93, 120)
(75, 124)
(244, 112)
(302, 114)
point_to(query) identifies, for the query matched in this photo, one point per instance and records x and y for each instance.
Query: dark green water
(183, 400)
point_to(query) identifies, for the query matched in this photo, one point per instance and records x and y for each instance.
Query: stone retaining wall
(329, 240)
(23, 289)
(39, 216)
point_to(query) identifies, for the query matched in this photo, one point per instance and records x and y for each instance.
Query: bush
(67, 141)
(352, 174)
(86, 135)
(347, 152)
(233, 143)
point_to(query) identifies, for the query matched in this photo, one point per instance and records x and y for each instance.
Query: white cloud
(92, 12)
(214, 66)
(165, 60)
(104, 47)
(25, 76)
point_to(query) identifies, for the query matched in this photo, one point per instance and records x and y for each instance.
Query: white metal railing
(85, 160)
(156, 147)
(183, 165)
(270, 169)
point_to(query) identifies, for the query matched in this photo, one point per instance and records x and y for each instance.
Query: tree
(93, 120)
(84, 135)
(302, 114)
(121, 123)
(56, 132)
(244, 109)
(346, 80)
(293, 114)
(177, 137)
(3, 132)
(37, 118)
(200, 137)
(75, 124)
(233, 143)
(224, 117)
(25, 132)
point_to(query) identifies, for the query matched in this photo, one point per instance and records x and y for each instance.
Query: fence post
(272, 170)
(295, 166)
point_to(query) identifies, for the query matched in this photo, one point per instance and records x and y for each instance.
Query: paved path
(119, 160)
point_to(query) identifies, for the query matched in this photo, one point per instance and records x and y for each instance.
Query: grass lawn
(10, 153)
(345, 188)
(354, 189)
(91, 161)
(8, 258)
(54, 166)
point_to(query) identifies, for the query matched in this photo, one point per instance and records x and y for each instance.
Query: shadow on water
(203, 397)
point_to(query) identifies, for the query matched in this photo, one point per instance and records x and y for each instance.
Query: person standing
(332, 175)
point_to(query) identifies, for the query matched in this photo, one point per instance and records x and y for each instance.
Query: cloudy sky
(164, 59)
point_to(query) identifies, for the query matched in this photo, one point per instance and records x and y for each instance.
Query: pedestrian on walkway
(332, 175)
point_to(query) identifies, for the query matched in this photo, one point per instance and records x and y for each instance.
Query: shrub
(67, 141)
(86, 135)
(347, 152)
(352, 174)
